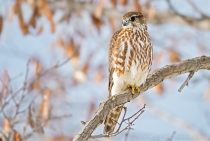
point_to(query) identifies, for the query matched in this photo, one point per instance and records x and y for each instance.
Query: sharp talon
(133, 90)
(137, 88)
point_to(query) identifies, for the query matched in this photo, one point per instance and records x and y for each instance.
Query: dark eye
(132, 19)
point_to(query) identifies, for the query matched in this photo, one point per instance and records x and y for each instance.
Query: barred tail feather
(111, 120)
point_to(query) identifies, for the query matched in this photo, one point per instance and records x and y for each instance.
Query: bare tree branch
(187, 80)
(155, 78)
(23, 87)
(128, 127)
(159, 18)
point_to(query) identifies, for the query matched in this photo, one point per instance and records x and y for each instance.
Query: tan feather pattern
(111, 120)
(130, 48)
(111, 58)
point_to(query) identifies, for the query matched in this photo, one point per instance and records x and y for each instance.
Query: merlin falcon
(130, 60)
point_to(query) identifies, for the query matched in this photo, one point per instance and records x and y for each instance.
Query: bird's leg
(138, 89)
(133, 88)
(129, 86)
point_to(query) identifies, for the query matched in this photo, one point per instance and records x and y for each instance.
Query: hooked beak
(125, 23)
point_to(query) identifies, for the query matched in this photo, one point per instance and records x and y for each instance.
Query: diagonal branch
(187, 80)
(155, 78)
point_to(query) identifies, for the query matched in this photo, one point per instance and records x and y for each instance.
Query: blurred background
(54, 68)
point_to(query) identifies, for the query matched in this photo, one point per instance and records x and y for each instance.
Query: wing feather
(111, 59)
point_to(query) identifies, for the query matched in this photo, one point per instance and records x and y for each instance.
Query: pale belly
(134, 77)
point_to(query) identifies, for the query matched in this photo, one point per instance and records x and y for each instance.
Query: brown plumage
(130, 60)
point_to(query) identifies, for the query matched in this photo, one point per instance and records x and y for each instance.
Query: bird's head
(134, 20)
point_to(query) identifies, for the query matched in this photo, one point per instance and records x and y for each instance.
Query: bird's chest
(131, 60)
(130, 54)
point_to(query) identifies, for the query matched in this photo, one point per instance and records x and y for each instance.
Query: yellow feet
(133, 88)
(138, 90)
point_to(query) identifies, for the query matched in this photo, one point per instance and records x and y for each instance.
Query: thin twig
(126, 135)
(22, 111)
(186, 81)
(137, 112)
(60, 117)
(125, 110)
(128, 127)
(23, 92)
(15, 77)
(127, 119)
(171, 137)
(83, 122)
(57, 65)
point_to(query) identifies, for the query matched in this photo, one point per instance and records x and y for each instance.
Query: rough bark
(155, 78)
